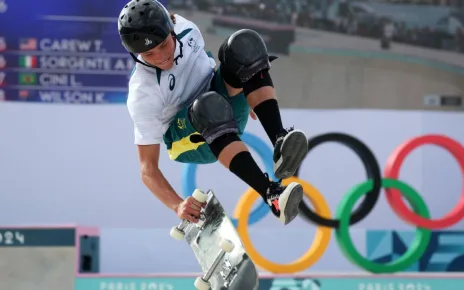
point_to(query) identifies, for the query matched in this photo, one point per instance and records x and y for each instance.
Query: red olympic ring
(394, 197)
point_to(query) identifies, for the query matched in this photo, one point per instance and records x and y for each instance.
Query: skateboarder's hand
(190, 209)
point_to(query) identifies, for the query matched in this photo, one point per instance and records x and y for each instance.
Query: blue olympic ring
(257, 214)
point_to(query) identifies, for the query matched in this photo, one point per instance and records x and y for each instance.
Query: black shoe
(284, 201)
(289, 151)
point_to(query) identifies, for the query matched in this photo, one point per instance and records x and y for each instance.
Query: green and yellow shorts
(177, 137)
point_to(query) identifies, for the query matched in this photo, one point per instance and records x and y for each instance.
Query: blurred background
(74, 213)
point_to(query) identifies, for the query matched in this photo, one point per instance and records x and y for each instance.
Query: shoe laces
(285, 132)
(273, 186)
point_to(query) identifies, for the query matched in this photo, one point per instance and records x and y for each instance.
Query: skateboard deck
(218, 249)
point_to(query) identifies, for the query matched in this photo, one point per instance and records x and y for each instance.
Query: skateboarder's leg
(245, 64)
(212, 116)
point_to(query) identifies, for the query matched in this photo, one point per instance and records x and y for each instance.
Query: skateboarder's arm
(154, 179)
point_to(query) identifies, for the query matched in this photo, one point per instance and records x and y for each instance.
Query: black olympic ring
(372, 170)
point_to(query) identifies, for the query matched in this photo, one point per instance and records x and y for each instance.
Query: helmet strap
(137, 60)
(180, 47)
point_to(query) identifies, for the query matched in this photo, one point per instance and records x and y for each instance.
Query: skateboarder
(177, 97)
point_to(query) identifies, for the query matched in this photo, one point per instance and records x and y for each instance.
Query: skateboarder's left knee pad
(212, 116)
(245, 61)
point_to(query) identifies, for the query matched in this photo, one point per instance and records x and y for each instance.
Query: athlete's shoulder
(184, 26)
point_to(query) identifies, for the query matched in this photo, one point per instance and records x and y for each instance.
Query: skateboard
(217, 248)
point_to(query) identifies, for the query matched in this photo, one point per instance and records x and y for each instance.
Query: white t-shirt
(155, 96)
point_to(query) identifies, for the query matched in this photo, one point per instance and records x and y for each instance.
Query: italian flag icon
(28, 61)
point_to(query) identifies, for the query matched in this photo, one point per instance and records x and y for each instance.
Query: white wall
(77, 164)
(73, 163)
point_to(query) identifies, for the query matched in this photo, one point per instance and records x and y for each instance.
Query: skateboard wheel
(200, 195)
(226, 245)
(177, 234)
(201, 284)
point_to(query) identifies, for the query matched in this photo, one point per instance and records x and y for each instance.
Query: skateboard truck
(178, 232)
(202, 283)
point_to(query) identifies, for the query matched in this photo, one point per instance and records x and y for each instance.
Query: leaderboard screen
(62, 52)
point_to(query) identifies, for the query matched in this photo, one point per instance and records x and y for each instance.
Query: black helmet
(143, 24)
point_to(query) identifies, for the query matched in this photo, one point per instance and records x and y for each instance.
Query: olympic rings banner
(345, 216)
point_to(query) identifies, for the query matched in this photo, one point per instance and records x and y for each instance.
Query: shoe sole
(293, 151)
(290, 202)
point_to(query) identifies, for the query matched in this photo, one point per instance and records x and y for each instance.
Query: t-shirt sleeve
(196, 32)
(145, 108)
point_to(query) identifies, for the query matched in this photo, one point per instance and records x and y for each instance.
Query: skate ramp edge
(320, 75)
(338, 79)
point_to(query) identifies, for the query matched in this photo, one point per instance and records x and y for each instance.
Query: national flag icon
(2, 62)
(28, 61)
(23, 94)
(2, 44)
(27, 78)
(28, 44)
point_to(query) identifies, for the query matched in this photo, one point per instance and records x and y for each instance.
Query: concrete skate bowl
(323, 76)
(47, 257)
(332, 79)
(41, 268)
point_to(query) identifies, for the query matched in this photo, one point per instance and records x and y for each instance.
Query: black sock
(244, 166)
(269, 116)
(221, 142)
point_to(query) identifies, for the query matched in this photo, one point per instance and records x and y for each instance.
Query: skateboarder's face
(161, 56)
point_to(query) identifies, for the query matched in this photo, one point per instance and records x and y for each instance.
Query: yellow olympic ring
(320, 242)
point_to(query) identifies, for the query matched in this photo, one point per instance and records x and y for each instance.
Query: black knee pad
(259, 80)
(243, 55)
(212, 116)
